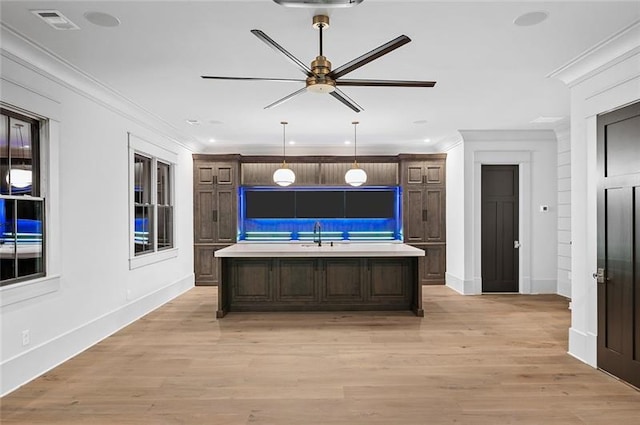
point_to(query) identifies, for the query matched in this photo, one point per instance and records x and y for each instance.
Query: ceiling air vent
(318, 3)
(55, 19)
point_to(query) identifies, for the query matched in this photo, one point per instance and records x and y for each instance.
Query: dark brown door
(618, 273)
(499, 228)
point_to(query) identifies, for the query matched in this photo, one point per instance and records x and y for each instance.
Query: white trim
(23, 291)
(610, 51)
(523, 160)
(56, 351)
(583, 346)
(543, 286)
(152, 257)
(464, 287)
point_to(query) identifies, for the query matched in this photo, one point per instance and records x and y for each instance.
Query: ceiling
(490, 73)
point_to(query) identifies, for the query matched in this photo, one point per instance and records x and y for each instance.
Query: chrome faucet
(317, 229)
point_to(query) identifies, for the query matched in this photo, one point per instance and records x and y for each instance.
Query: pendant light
(284, 176)
(355, 176)
(20, 178)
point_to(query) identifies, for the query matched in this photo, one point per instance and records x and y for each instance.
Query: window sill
(23, 291)
(156, 257)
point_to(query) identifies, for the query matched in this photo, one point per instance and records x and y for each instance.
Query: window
(22, 244)
(152, 195)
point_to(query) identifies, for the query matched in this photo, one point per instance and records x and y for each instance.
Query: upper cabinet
(215, 201)
(424, 199)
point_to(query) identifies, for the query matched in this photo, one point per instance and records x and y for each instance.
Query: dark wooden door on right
(618, 273)
(499, 227)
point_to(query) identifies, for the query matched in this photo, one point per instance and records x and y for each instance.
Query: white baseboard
(27, 366)
(564, 288)
(464, 287)
(583, 346)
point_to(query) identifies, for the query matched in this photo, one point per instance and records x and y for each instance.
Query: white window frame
(156, 153)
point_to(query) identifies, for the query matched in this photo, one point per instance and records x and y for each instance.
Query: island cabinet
(215, 186)
(321, 284)
(424, 212)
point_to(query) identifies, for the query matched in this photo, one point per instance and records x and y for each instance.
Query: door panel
(224, 216)
(435, 228)
(499, 228)
(619, 243)
(414, 215)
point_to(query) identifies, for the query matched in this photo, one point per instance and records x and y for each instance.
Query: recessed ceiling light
(193, 122)
(531, 18)
(102, 19)
(292, 142)
(419, 122)
(427, 140)
(212, 140)
(347, 142)
(546, 120)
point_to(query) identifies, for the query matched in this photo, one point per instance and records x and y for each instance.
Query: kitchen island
(306, 277)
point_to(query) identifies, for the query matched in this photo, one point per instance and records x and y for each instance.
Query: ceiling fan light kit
(320, 78)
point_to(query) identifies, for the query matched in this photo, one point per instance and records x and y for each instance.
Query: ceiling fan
(320, 77)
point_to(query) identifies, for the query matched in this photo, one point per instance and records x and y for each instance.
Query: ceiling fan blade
(370, 56)
(385, 83)
(339, 94)
(281, 80)
(278, 48)
(284, 99)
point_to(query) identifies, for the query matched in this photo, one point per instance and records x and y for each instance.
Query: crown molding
(508, 135)
(614, 49)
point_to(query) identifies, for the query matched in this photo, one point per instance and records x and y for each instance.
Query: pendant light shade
(355, 176)
(284, 176)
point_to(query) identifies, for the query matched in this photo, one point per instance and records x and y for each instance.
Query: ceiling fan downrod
(320, 82)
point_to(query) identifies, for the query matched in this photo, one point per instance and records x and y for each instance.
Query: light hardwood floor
(490, 359)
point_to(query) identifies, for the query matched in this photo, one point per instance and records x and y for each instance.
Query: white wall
(602, 79)
(455, 274)
(563, 134)
(90, 291)
(535, 153)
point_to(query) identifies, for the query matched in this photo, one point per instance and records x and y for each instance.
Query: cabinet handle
(424, 179)
(424, 215)
(215, 179)
(215, 215)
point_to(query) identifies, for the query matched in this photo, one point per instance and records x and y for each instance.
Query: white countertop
(309, 249)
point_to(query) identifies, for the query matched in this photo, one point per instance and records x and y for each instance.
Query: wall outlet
(26, 337)
(544, 208)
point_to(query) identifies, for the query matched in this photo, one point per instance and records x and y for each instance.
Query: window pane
(20, 176)
(165, 227)
(163, 184)
(143, 236)
(7, 239)
(21, 244)
(142, 179)
(4, 155)
(29, 237)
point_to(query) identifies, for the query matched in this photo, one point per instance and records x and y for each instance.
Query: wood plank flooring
(490, 359)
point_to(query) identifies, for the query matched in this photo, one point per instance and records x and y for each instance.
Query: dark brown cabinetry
(286, 284)
(215, 185)
(424, 218)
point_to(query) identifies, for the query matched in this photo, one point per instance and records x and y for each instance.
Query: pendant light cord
(284, 137)
(355, 143)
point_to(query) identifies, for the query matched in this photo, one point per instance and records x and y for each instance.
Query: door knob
(516, 244)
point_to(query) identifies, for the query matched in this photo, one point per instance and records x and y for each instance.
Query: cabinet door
(204, 206)
(434, 172)
(251, 280)
(432, 266)
(412, 173)
(206, 264)
(296, 282)
(225, 174)
(342, 280)
(414, 214)
(389, 281)
(224, 215)
(434, 205)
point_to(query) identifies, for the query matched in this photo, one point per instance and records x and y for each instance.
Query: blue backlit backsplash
(372, 213)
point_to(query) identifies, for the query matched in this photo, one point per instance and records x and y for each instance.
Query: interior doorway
(499, 228)
(618, 274)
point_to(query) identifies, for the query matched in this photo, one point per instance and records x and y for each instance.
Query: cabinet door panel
(297, 281)
(434, 172)
(434, 225)
(225, 174)
(414, 215)
(389, 280)
(225, 215)
(433, 264)
(204, 174)
(204, 231)
(205, 265)
(251, 280)
(342, 280)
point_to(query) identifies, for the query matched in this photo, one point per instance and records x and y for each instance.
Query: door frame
(523, 160)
